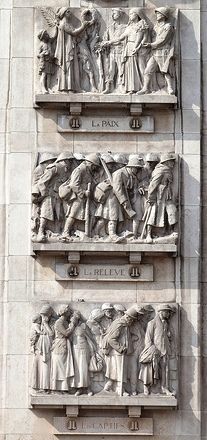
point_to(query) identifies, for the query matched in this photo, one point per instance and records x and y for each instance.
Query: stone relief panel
(105, 349)
(108, 197)
(105, 51)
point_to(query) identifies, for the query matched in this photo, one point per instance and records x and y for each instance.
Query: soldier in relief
(162, 50)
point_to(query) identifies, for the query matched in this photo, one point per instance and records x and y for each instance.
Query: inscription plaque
(106, 272)
(118, 124)
(103, 425)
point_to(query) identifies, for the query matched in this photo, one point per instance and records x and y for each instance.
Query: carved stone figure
(62, 367)
(93, 323)
(46, 60)
(162, 48)
(135, 36)
(47, 187)
(103, 54)
(45, 160)
(86, 52)
(83, 347)
(104, 198)
(108, 315)
(117, 346)
(66, 51)
(114, 54)
(78, 195)
(125, 185)
(137, 337)
(41, 337)
(103, 349)
(35, 331)
(106, 212)
(119, 310)
(154, 358)
(161, 206)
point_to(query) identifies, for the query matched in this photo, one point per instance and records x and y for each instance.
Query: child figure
(45, 60)
(35, 331)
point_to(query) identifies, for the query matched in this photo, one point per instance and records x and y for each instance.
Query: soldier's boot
(100, 225)
(134, 389)
(146, 87)
(149, 234)
(146, 390)
(89, 392)
(112, 230)
(166, 391)
(41, 236)
(108, 385)
(67, 228)
(79, 392)
(169, 82)
(107, 88)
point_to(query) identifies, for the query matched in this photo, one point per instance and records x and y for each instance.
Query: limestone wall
(26, 282)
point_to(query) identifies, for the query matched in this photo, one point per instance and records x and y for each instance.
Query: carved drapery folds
(105, 198)
(106, 348)
(121, 51)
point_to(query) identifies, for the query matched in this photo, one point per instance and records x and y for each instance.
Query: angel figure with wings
(65, 56)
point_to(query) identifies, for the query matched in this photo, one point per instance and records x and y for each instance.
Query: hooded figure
(66, 52)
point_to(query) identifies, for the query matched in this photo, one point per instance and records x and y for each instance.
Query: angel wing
(50, 16)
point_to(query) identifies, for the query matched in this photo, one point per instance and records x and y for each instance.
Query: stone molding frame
(97, 47)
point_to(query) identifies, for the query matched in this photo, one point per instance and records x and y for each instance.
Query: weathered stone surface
(101, 425)
(106, 125)
(27, 283)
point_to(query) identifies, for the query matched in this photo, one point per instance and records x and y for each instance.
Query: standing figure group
(104, 198)
(128, 57)
(119, 348)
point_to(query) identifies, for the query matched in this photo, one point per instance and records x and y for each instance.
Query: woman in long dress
(42, 350)
(62, 368)
(82, 347)
(135, 54)
(66, 51)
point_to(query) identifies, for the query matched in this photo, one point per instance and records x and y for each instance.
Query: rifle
(146, 218)
(87, 213)
(129, 210)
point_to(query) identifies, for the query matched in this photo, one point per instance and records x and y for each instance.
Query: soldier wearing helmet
(163, 211)
(125, 181)
(105, 197)
(44, 160)
(78, 193)
(117, 346)
(48, 186)
(159, 346)
(162, 48)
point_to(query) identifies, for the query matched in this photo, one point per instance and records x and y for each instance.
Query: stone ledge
(87, 98)
(62, 248)
(101, 400)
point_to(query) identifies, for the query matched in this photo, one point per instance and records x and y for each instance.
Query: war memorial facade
(103, 220)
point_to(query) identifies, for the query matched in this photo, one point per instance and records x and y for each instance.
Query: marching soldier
(45, 160)
(162, 211)
(125, 183)
(77, 193)
(48, 186)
